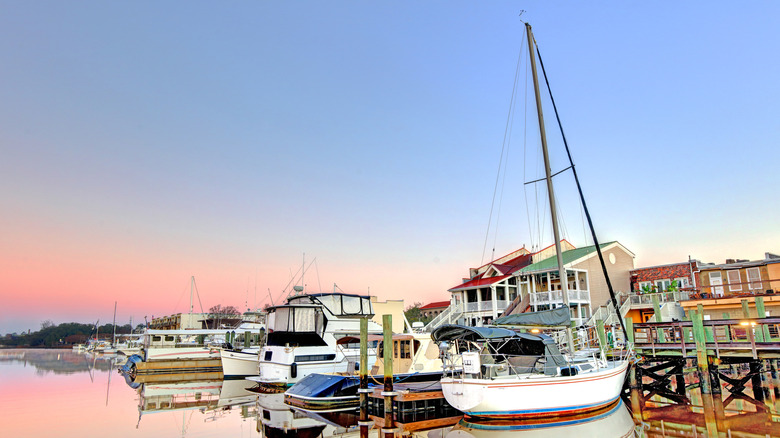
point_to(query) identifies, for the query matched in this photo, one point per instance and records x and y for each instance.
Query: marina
(77, 382)
(150, 143)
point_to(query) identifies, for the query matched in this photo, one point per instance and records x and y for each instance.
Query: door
(716, 284)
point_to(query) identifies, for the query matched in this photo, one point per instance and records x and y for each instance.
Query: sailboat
(498, 372)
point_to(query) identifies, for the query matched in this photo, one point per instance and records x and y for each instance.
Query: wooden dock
(418, 406)
(178, 370)
(736, 353)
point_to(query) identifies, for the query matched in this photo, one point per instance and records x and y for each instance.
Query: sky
(145, 143)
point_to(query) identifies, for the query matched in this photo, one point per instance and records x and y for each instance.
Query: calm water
(46, 393)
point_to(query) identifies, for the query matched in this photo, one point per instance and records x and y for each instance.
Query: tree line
(66, 334)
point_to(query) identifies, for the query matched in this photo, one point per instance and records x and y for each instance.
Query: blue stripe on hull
(542, 411)
(525, 426)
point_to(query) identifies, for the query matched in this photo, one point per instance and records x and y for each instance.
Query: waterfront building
(531, 280)
(432, 310)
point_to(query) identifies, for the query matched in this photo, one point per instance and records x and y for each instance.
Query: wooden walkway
(757, 338)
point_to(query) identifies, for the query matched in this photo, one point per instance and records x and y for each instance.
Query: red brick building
(660, 278)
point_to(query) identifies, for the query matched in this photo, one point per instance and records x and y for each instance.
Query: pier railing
(732, 337)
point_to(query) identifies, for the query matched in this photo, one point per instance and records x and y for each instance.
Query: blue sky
(145, 142)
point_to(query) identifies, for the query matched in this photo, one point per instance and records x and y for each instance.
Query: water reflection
(611, 422)
(59, 361)
(744, 401)
(212, 397)
(278, 420)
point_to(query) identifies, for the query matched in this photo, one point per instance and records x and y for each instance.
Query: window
(754, 277)
(662, 285)
(645, 286)
(315, 357)
(682, 282)
(735, 284)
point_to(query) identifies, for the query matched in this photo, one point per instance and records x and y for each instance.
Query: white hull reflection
(615, 421)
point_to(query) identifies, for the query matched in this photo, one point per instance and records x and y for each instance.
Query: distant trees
(413, 313)
(53, 335)
(219, 314)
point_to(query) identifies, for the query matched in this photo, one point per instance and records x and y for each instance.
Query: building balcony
(484, 306)
(556, 297)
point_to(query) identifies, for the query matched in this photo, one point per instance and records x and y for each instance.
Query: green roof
(551, 263)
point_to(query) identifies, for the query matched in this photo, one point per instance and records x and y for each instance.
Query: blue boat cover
(325, 385)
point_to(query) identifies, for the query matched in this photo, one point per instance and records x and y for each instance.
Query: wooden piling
(363, 390)
(701, 352)
(763, 334)
(657, 310)
(387, 326)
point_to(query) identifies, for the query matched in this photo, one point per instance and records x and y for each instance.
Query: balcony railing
(663, 297)
(485, 306)
(556, 296)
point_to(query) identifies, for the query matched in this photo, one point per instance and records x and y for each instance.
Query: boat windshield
(339, 304)
(298, 319)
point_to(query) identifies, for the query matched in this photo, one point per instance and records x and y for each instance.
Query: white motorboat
(237, 363)
(303, 337)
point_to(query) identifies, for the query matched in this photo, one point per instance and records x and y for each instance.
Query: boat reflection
(278, 420)
(208, 396)
(60, 361)
(610, 422)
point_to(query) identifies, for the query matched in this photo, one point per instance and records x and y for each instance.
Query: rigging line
(582, 199)
(317, 269)
(292, 278)
(525, 158)
(554, 174)
(197, 293)
(503, 146)
(305, 269)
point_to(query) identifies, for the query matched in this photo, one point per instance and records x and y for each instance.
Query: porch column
(479, 308)
(495, 301)
(549, 289)
(533, 291)
(577, 292)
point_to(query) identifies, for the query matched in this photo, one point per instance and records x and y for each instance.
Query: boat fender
(293, 370)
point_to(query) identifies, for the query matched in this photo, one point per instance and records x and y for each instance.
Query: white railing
(485, 306)
(663, 297)
(449, 316)
(556, 296)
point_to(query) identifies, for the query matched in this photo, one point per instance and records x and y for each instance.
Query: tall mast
(192, 289)
(548, 176)
(113, 339)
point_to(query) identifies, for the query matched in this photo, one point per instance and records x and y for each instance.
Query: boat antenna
(584, 205)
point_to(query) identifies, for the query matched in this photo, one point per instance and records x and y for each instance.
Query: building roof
(569, 257)
(479, 281)
(505, 270)
(436, 305)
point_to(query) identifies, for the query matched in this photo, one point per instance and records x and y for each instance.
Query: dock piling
(363, 390)
(387, 326)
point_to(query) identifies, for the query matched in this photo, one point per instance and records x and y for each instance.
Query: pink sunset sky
(146, 143)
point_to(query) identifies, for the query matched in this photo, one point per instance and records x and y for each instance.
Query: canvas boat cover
(506, 342)
(325, 385)
(560, 317)
(451, 332)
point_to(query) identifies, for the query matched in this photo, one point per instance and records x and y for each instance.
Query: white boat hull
(535, 395)
(239, 363)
